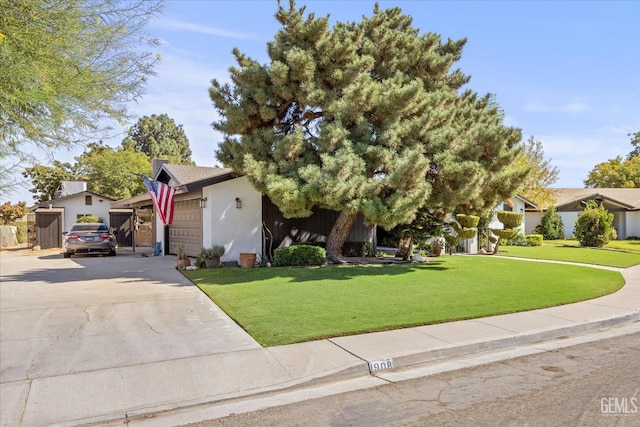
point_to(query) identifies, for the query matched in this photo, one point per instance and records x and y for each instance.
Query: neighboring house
(73, 201)
(623, 203)
(214, 206)
(516, 204)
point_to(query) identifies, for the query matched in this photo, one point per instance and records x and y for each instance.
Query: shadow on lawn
(230, 276)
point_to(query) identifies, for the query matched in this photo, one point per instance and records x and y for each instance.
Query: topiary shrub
(551, 226)
(534, 239)
(299, 255)
(510, 219)
(594, 226)
(467, 221)
(356, 249)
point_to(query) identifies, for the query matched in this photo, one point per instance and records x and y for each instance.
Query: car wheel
(66, 254)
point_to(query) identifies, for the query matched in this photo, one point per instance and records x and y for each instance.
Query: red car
(85, 238)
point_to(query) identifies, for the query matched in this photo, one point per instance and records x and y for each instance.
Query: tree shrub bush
(299, 255)
(551, 226)
(594, 226)
(510, 219)
(534, 239)
(356, 249)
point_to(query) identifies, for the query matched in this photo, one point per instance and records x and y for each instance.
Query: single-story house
(623, 203)
(214, 206)
(73, 202)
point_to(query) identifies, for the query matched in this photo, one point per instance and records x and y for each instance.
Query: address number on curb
(379, 365)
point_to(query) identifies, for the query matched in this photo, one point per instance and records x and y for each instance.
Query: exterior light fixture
(238, 203)
(203, 202)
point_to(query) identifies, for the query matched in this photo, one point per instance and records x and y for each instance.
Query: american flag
(162, 196)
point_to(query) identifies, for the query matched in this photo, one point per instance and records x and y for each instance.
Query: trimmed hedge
(299, 255)
(467, 221)
(510, 219)
(534, 239)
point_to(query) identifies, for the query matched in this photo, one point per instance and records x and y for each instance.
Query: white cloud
(175, 25)
(570, 107)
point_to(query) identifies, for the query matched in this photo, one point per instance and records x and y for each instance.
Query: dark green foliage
(534, 239)
(510, 219)
(356, 249)
(158, 136)
(594, 226)
(551, 226)
(364, 117)
(299, 255)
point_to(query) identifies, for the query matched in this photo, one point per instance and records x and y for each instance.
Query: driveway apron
(62, 316)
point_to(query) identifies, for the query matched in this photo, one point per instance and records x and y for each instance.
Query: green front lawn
(570, 250)
(287, 305)
(625, 245)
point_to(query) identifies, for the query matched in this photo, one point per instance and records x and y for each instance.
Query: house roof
(69, 197)
(184, 174)
(628, 198)
(185, 178)
(528, 204)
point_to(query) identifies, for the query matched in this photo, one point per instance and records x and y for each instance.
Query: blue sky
(565, 72)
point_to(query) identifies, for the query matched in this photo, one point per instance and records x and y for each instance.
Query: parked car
(89, 238)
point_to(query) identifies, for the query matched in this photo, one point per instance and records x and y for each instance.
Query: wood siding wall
(49, 230)
(315, 228)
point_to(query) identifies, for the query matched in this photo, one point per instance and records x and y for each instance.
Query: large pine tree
(364, 117)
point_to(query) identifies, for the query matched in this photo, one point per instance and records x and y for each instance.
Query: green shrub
(467, 221)
(534, 239)
(517, 240)
(89, 219)
(356, 249)
(510, 219)
(594, 226)
(506, 234)
(551, 226)
(318, 244)
(299, 255)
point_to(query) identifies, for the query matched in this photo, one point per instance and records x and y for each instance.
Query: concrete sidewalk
(173, 392)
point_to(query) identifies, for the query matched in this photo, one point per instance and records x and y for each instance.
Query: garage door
(186, 229)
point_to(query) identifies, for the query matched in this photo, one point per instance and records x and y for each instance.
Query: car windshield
(89, 227)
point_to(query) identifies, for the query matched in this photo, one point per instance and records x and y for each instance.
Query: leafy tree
(157, 136)
(594, 226)
(618, 172)
(551, 226)
(9, 212)
(615, 173)
(47, 179)
(635, 141)
(111, 172)
(66, 67)
(364, 118)
(542, 175)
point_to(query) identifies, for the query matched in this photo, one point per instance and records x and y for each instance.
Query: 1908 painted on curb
(379, 365)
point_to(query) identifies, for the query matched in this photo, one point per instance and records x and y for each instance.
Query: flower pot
(247, 260)
(212, 262)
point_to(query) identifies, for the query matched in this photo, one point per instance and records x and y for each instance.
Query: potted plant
(183, 260)
(210, 256)
(437, 245)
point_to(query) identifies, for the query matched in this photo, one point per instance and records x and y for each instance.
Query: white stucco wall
(633, 224)
(238, 230)
(569, 222)
(75, 206)
(531, 221)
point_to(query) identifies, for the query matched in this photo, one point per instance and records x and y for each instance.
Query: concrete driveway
(64, 316)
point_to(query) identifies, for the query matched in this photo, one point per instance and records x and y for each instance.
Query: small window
(507, 208)
(87, 200)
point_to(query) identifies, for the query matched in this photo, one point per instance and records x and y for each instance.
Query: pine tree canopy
(367, 117)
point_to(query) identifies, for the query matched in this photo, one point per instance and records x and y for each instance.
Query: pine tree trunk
(338, 235)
